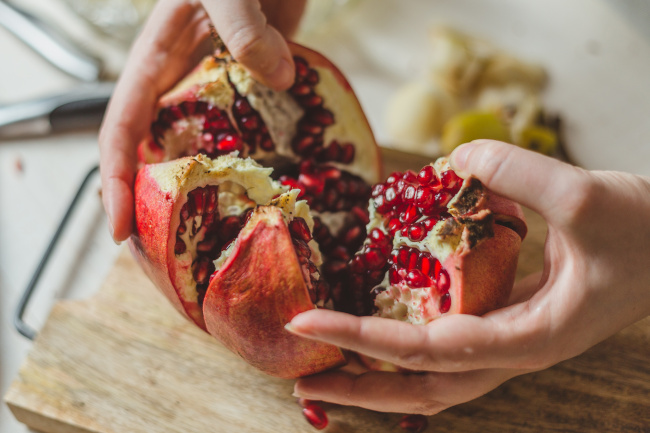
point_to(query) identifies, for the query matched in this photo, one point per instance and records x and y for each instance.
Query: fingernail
(280, 78)
(112, 231)
(289, 327)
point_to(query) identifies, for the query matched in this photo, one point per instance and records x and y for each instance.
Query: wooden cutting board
(126, 361)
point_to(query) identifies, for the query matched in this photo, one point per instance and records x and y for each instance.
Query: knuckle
(415, 359)
(246, 43)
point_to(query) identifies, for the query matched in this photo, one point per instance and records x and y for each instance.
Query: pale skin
(596, 276)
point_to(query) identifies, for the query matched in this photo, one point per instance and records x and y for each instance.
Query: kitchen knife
(81, 108)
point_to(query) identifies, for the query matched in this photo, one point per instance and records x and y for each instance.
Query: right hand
(173, 40)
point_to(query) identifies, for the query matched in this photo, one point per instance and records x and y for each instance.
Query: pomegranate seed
(229, 228)
(437, 268)
(347, 153)
(312, 183)
(393, 178)
(426, 175)
(393, 226)
(378, 190)
(197, 199)
(403, 256)
(451, 181)
(445, 303)
(230, 143)
(299, 229)
(179, 247)
(242, 107)
(218, 125)
(414, 257)
(301, 67)
(353, 235)
(311, 101)
(429, 223)
(185, 212)
(303, 145)
(188, 107)
(374, 259)
(311, 128)
(391, 196)
(312, 77)
(394, 276)
(442, 198)
(409, 177)
(424, 197)
(409, 193)
(301, 247)
(340, 253)
(267, 144)
(381, 205)
(443, 282)
(250, 123)
(415, 278)
(414, 423)
(427, 264)
(405, 231)
(300, 89)
(410, 215)
(361, 214)
(358, 264)
(322, 117)
(378, 235)
(416, 232)
(201, 269)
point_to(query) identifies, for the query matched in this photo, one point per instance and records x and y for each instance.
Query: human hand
(595, 282)
(173, 40)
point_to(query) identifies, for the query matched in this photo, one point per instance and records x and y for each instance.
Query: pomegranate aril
(242, 107)
(322, 117)
(451, 181)
(445, 303)
(179, 247)
(414, 423)
(374, 259)
(410, 215)
(301, 68)
(300, 89)
(202, 268)
(312, 77)
(442, 198)
(415, 278)
(394, 225)
(393, 178)
(346, 156)
(391, 197)
(267, 144)
(409, 177)
(416, 232)
(378, 236)
(427, 264)
(378, 190)
(409, 193)
(429, 223)
(311, 101)
(196, 198)
(443, 282)
(207, 245)
(250, 123)
(230, 143)
(301, 247)
(299, 229)
(361, 214)
(394, 276)
(413, 259)
(229, 228)
(426, 175)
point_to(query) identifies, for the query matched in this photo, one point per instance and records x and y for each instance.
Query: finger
(252, 41)
(525, 288)
(426, 394)
(159, 57)
(539, 182)
(453, 343)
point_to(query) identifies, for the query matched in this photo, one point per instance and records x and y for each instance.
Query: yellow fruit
(538, 138)
(472, 125)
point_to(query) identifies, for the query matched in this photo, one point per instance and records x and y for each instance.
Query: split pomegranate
(197, 216)
(241, 249)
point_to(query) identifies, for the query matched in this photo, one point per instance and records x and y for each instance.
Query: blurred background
(575, 72)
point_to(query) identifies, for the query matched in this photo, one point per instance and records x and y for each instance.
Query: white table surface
(597, 53)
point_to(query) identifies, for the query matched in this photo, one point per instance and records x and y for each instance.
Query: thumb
(243, 27)
(533, 180)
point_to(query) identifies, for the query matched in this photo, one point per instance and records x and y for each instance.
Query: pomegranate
(437, 244)
(204, 201)
(240, 249)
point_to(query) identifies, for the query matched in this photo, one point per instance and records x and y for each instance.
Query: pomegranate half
(240, 249)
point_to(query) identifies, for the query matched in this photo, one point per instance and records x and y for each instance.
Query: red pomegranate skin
(256, 292)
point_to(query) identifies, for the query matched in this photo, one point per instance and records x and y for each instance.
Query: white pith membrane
(242, 184)
(400, 301)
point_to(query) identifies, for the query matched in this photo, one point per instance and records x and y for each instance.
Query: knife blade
(80, 108)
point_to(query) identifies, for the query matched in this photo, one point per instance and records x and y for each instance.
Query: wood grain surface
(126, 361)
